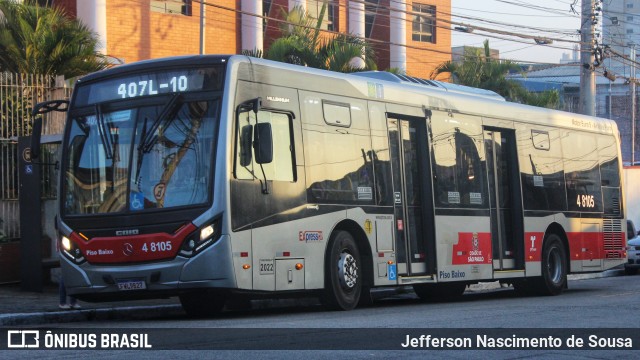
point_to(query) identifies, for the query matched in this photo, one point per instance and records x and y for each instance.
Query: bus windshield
(140, 158)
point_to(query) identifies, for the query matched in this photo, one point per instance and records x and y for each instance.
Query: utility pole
(632, 83)
(587, 74)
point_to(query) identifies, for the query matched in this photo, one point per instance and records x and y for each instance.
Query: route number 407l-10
(149, 87)
(585, 201)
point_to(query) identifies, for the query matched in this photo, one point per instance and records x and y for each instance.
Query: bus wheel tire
(437, 292)
(202, 304)
(343, 273)
(554, 267)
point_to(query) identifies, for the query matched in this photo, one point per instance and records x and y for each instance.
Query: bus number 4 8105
(157, 246)
(585, 201)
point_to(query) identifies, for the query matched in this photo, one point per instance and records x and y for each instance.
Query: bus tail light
(202, 238)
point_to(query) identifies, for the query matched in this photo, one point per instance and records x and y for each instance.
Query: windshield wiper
(148, 138)
(105, 134)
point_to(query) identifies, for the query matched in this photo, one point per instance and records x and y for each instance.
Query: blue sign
(391, 272)
(28, 169)
(136, 201)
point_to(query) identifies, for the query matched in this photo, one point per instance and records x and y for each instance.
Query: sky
(544, 18)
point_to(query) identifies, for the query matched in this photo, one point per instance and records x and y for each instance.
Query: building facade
(613, 98)
(621, 24)
(413, 36)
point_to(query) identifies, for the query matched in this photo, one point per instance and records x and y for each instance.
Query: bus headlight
(201, 238)
(206, 232)
(66, 243)
(69, 249)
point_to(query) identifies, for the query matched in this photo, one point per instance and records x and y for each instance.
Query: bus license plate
(131, 285)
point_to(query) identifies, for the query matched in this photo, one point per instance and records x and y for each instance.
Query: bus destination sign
(149, 84)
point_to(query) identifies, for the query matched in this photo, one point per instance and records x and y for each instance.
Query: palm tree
(479, 70)
(43, 40)
(303, 43)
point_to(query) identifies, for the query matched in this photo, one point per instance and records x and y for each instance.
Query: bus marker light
(299, 266)
(84, 237)
(246, 266)
(244, 254)
(286, 253)
(390, 262)
(380, 254)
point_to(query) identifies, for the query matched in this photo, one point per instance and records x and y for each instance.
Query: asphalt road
(586, 307)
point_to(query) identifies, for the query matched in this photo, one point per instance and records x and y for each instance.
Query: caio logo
(23, 339)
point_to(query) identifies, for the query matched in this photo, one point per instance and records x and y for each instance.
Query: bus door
(413, 204)
(505, 199)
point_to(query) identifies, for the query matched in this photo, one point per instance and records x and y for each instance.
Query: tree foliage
(43, 40)
(304, 43)
(477, 69)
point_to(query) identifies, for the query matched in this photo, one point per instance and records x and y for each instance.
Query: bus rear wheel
(554, 267)
(343, 274)
(202, 304)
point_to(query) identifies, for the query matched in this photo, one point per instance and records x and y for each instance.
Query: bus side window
(541, 169)
(282, 166)
(458, 162)
(609, 166)
(582, 171)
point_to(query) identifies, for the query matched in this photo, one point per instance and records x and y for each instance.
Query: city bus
(220, 177)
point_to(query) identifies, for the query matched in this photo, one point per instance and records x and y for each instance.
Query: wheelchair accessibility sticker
(391, 272)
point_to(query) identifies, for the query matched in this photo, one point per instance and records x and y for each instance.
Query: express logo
(308, 236)
(475, 241)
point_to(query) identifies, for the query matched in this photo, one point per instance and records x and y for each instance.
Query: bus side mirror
(35, 138)
(263, 143)
(245, 145)
(41, 109)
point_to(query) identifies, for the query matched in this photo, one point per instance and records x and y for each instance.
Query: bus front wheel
(343, 273)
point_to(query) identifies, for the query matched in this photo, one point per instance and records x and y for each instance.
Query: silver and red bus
(209, 177)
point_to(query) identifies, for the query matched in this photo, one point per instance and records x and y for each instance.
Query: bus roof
(387, 87)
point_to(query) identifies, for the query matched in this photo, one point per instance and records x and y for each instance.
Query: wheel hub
(554, 266)
(348, 270)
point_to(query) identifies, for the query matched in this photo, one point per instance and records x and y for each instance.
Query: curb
(133, 312)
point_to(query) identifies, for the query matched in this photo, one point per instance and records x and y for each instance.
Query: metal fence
(18, 94)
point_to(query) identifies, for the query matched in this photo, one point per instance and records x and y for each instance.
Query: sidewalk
(18, 307)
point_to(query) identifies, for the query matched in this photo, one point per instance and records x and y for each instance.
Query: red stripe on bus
(582, 246)
(472, 248)
(136, 248)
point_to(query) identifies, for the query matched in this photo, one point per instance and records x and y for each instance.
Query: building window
(180, 7)
(314, 7)
(370, 11)
(424, 23)
(630, 6)
(629, 31)
(629, 18)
